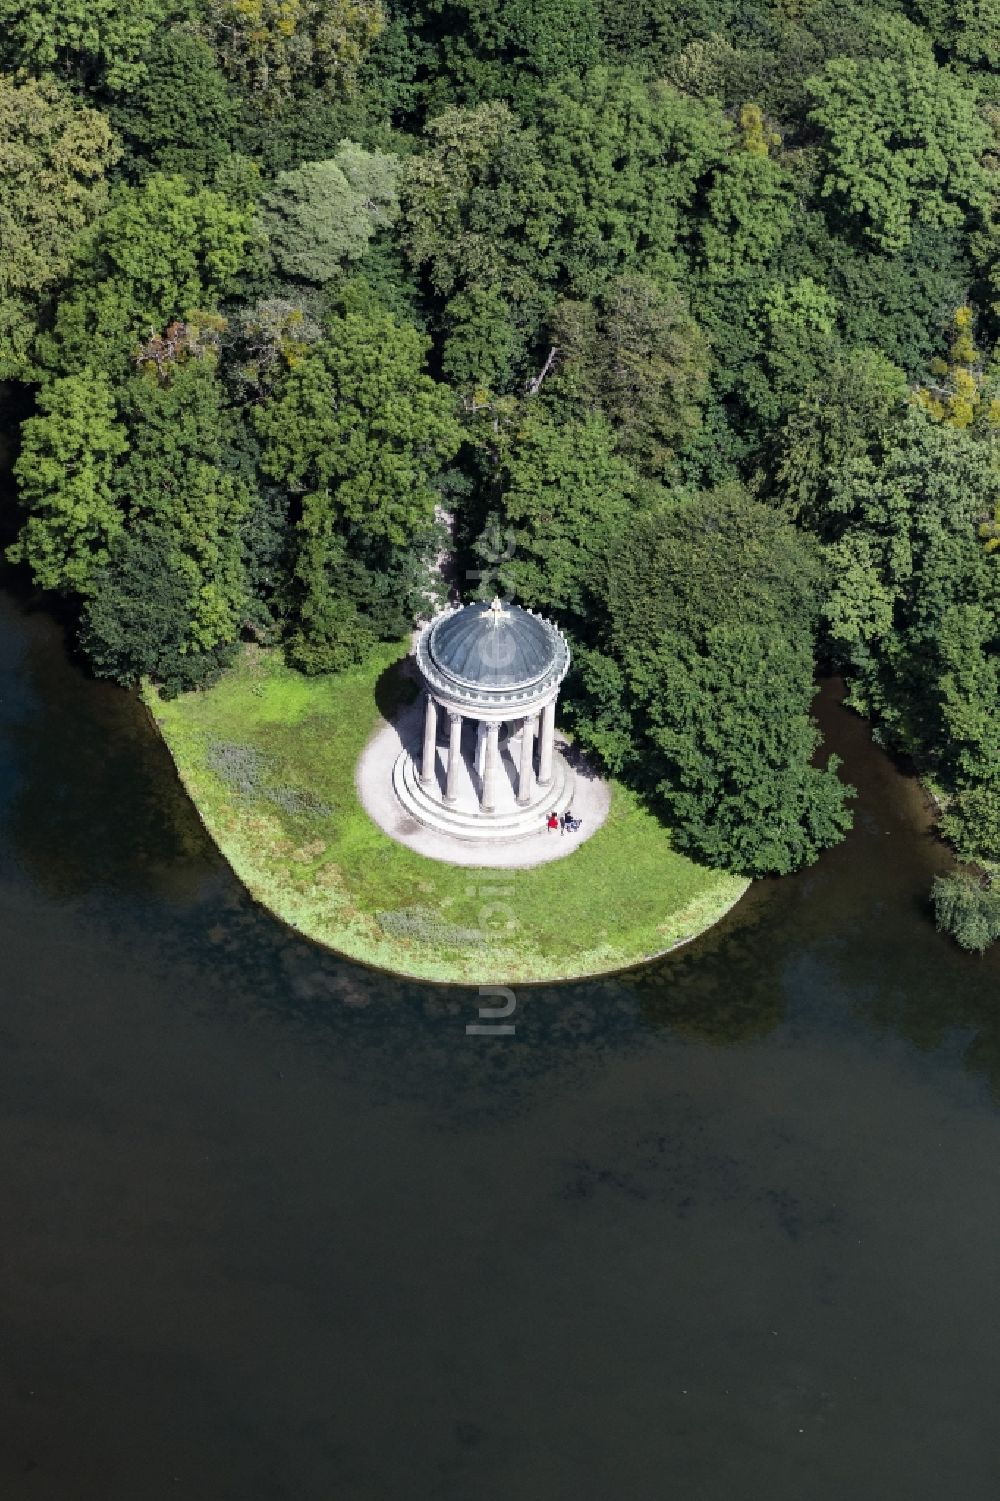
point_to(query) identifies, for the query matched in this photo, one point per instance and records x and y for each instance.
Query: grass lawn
(269, 756)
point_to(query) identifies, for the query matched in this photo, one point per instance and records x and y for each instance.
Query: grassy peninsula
(269, 755)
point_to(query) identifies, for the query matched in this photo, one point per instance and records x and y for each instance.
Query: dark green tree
(179, 477)
(733, 745)
(477, 223)
(843, 414)
(181, 117)
(564, 493)
(136, 623)
(641, 359)
(709, 607)
(468, 52)
(914, 615)
(361, 433)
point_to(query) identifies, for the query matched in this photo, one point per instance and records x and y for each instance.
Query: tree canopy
(903, 144)
(321, 217)
(678, 322)
(710, 609)
(54, 158)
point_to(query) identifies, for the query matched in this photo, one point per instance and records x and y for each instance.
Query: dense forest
(674, 320)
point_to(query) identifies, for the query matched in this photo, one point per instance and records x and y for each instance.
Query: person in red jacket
(552, 822)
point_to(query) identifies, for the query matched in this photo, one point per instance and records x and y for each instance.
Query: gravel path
(373, 780)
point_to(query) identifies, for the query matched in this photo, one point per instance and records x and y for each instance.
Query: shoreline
(345, 885)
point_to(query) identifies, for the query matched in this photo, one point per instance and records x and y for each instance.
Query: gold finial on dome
(496, 611)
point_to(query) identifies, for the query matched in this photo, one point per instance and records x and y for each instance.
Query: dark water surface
(277, 1227)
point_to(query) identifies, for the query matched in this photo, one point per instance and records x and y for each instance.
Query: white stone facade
(488, 766)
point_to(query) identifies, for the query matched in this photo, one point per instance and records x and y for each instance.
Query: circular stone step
(427, 807)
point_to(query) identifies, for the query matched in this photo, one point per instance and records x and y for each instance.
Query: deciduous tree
(181, 116)
(623, 161)
(176, 478)
(99, 42)
(709, 612)
(359, 416)
(322, 216)
(66, 482)
(564, 492)
(160, 252)
(54, 155)
(733, 747)
(903, 142)
(362, 433)
(268, 46)
(643, 360)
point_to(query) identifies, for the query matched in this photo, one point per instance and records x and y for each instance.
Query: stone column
(548, 742)
(428, 768)
(527, 768)
(454, 755)
(488, 801)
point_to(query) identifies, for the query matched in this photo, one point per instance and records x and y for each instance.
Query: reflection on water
(275, 1226)
(89, 799)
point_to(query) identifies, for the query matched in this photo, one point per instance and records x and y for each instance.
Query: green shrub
(968, 909)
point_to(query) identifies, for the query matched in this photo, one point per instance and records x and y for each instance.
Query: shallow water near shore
(278, 1228)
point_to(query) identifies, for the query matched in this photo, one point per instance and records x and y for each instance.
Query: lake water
(276, 1228)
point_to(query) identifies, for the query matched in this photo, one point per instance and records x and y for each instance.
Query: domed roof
(496, 650)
